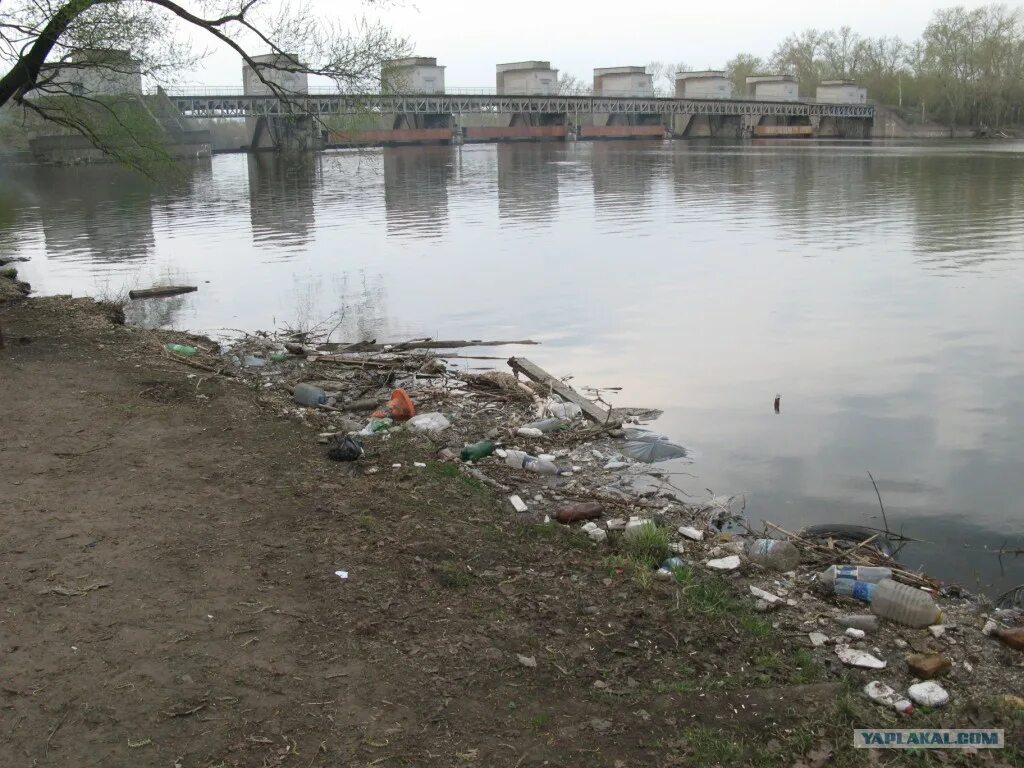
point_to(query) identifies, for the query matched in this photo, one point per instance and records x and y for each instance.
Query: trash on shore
(184, 350)
(854, 658)
(161, 291)
(345, 449)
(773, 554)
(880, 693)
(576, 471)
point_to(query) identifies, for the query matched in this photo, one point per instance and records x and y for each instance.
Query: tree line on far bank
(966, 68)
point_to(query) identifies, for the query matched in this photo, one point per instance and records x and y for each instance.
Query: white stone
(598, 535)
(691, 533)
(856, 634)
(768, 597)
(730, 563)
(616, 465)
(855, 658)
(517, 503)
(588, 526)
(928, 694)
(937, 630)
(616, 524)
(817, 639)
(990, 627)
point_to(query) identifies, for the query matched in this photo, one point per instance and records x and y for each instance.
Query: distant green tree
(739, 68)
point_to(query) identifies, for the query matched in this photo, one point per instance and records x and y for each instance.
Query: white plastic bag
(429, 422)
(566, 411)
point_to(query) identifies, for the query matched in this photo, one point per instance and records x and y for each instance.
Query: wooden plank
(534, 372)
(160, 291)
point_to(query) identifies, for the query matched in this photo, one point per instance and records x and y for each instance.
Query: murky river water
(877, 288)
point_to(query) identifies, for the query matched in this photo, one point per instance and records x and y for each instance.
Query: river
(877, 288)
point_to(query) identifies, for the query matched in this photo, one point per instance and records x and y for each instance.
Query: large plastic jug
(904, 604)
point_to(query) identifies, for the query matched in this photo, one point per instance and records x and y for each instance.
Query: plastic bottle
(862, 621)
(477, 451)
(545, 425)
(861, 590)
(515, 459)
(307, 394)
(181, 349)
(774, 554)
(869, 573)
(540, 466)
(880, 693)
(903, 604)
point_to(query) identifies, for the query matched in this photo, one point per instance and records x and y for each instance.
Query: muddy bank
(170, 546)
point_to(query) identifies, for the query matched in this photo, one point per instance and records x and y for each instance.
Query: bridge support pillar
(287, 133)
(750, 122)
(681, 124)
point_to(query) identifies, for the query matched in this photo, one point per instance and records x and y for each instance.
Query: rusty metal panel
(517, 132)
(764, 131)
(620, 131)
(398, 136)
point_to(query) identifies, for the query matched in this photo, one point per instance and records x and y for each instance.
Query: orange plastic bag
(399, 407)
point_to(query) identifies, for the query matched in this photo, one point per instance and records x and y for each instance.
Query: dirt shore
(168, 555)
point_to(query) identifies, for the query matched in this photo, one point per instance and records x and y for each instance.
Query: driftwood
(536, 373)
(405, 346)
(161, 291)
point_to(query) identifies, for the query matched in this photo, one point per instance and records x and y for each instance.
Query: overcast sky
(469, 38)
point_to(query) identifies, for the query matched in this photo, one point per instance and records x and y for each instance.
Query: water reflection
(623, 175)
(527, 183)
(416, 181)
(282, 209)
(97, 213)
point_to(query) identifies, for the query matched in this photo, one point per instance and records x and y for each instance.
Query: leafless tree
(44, 42)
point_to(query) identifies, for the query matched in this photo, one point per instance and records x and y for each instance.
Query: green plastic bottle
(477, 451)
(181, 349)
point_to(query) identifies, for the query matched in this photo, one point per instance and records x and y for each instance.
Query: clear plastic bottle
(774, 554)
(540, 466)
(903, 604)
(307, 394)
(515, 459)
(545, 425)
(861, 590)
(869, 573)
